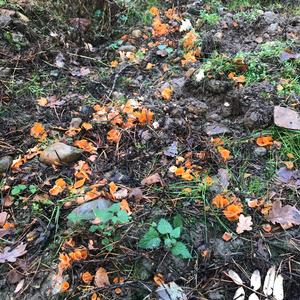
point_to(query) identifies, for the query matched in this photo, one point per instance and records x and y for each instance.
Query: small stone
(272, 28)
(75, 123)
(127, 48)
(136, 33)
(216, 129)
(59, 153)
(85, 211)
(259, 40)
(5, 163)
(269, 17)
(260, 151)
(4, 21)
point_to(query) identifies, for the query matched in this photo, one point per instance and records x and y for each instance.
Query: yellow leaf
(87, 126)
(225, 154)
(42, 101)
(149, 66)
(38, 131)
(167, 93)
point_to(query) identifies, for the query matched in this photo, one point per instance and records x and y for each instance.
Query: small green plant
(169, 235)
(209, 18)
(108, 218)
(18, 189)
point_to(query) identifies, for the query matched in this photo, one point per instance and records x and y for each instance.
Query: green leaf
(103, 214)
(164, 226)
(177, 221)
(123, 216)
(73, 217)
(150, 240)
(181, 250)
(114, 208)
(18, 189)
(175, 233)
(168, 243)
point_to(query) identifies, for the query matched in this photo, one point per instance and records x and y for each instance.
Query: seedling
(169, 235)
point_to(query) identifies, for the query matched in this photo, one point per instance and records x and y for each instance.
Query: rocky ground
(109, 127)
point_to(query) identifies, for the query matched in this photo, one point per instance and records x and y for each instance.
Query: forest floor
(170, 173)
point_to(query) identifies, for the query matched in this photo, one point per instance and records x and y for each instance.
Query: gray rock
(86, 210)
(4, 21)
(226, 250)
(75, 123)
(216, 129)
(269, 17)
(213, 117)
(5, 163)
(137, 33)
(251, 119)
(59, 153)
(272, 28)
(260, 151)
(127, 48)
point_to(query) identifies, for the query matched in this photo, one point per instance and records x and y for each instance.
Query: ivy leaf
(168, 243)
(18, 189)
(150, 240)
(164, 226)
(177, 221)
(175, 233)
(181, 250)
(123, 216)
(74, 217)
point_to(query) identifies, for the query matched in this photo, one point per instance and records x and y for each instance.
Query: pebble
(59, 153)
(127, 48)
(269, 17)
(75, 123)
(5, 163)
(260, 151)
(136, 33)
(216, 129)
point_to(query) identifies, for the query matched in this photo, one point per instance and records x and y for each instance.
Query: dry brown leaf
(283, 214)
(3, 218)
(101, 278)
(11, 255)
(152, 179)
(286, 118)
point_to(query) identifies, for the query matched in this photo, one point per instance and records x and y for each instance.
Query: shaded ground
(87, 75)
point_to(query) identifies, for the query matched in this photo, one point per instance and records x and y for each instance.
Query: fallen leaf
(286, 118)
(170, 291)
(154, 11)
(11, 255)
(167, 93)
(185, 25)
(172, 150)
(114, 63)
(101, 278)
(269, 281)
(244, 224)
(3, 218)
(87, 126)
(152, 179)
(59, 187)
(255, 281)
(79, 183)
(239, 294)
(283, 214)
(285, 55)
(19, 286)
(42, 101)
(278, 292)
(136, 194)
(234, 277)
